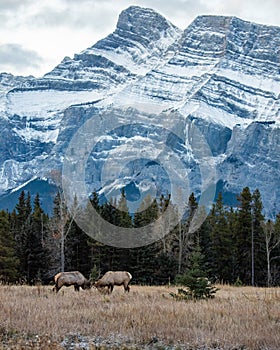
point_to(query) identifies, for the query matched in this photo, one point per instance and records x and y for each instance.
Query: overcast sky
(36, 35)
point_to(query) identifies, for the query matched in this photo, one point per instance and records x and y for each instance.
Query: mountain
(152, 109)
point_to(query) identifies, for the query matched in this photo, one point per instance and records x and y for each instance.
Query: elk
(71, 278)
(114, 278)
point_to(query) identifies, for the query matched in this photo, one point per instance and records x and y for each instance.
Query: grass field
(147, 317)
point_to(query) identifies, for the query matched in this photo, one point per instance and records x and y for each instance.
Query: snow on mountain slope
(220, 76)
(7, 82)
(34, 110)
(133, 46)
(93, 74)
(217, 63)
(139, 41)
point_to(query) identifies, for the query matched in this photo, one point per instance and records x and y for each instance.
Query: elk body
(71, 278)
(114, 278)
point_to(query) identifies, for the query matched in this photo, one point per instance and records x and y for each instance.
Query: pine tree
(124, 219)
(257, 241)
(221, 243)
(147, 212)
(185, 234)
(166, 239)
(94, 200)
(8, 259)
(37, 252)
(22, 231)
(232, 220)
(102, 256)
(144, 259)
(192, 205)
(206, 245)
(28, 204)
(78, 252)
(164, 267)
(243, 237)
(117, 213)
(109, 212)
(195, 278)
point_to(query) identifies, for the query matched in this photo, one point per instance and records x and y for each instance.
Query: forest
(238, 246)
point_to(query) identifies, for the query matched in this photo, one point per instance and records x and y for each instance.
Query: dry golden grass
(237, 318)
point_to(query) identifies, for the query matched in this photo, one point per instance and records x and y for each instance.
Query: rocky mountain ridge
(217, 81)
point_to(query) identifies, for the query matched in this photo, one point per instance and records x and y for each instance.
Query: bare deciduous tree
(272, 241)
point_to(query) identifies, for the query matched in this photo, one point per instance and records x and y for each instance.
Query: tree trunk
(252, 253)
(180, 255)
(62, 252)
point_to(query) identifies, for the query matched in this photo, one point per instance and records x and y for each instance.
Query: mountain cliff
(161, 106)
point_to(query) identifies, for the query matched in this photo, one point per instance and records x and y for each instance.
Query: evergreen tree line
(232, 245)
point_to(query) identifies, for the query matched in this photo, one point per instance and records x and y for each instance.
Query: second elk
(114, 278)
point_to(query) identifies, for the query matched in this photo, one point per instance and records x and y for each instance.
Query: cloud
(72, 16)
(58, 28)
(257, 11)
(11, 5)
(16, 56)
(13, 12)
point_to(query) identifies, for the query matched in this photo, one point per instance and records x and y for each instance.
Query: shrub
(197, 288)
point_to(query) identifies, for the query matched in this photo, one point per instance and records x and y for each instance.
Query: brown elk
(114, 278)
(71, 278)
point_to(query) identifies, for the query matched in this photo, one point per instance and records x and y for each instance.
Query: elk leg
(56, 288)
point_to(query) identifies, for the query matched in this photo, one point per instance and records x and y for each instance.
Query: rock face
(157, 98)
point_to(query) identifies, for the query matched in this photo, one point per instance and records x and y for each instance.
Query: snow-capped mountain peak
(220, 76)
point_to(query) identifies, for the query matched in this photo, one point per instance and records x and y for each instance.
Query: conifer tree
(258, 255)
(94, 200)
(195, 278)
(97, 250)
(8, 259)
(185, 235)
(110, 256)
(37, 252)
(221, 243)
(115, 212)
(166, 239)
(78, 252)
(109, 212)
(243, 237)
(147, 212)
(124, 219)
(22, 229)
(144, 259)
(232, 220)
(206, 244)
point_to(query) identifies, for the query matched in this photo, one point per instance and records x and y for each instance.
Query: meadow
(146, 318)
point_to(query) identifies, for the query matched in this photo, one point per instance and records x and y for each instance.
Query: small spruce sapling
(198, 285)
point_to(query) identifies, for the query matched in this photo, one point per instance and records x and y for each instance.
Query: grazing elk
(72, 278)
(114, 278)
